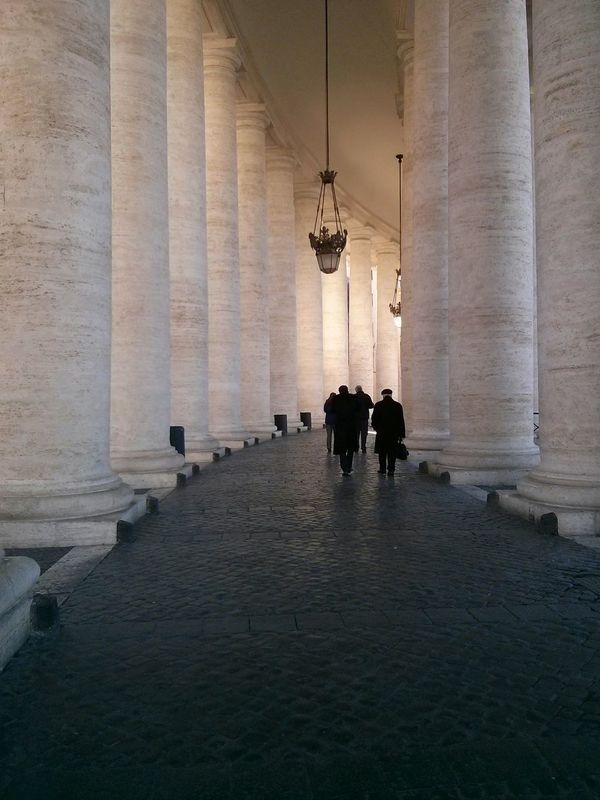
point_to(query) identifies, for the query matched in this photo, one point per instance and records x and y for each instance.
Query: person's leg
(391, 459)
(382, 459)
(329, 429)
(349, 462)
(364, 428)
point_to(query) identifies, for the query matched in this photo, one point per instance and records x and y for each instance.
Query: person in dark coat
(345, 432)
(364, 404)
(388, 423)
(329, 419)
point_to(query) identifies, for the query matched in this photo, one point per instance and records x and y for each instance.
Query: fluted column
(429, 263)
(309, 306)
(566, 74)
(282, 285)
(252, 122)
(187, 228)
(140, 398)
(55, 271)
(387, 354)
(490, 245)
(360, 335)
(405, 53)
(335, 322)
(221, 62)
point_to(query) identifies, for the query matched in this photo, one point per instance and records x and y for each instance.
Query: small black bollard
(280, 421)
(195, 469)
(44, 612)
(125, 531)
(492, 499)
(445, 477)
(177, 438)
(181, 480)
(306, 419)
(152, 504)
(549, 524)
(423, 468)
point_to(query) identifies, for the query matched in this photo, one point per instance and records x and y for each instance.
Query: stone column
(405, 53)
(335, 322)
(187, 228)
(221, 62)
(282, 285)
(55, 272)
(429, 263)
(141, 385)
(566, 74)
(490, 245)
(387, 354)
(360, 330)
(309, 305)
(252, 122)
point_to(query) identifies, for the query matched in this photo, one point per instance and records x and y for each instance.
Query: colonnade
(468, 251)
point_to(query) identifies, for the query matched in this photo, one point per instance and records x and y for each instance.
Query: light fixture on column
(328, 246)
(395, 305)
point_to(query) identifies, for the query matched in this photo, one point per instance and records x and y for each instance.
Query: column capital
(358, 231)
(281, 158)
(306, 190)
(405, 49)
(387, 249)
(220, 53)
(252, 115)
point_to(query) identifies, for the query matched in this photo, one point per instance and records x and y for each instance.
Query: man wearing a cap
(388, 422)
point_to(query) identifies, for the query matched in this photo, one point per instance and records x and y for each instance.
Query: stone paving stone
(161, 685)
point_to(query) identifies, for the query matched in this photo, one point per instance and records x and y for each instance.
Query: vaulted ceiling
(283, 46)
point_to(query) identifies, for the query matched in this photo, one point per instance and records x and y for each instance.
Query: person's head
(386, 393)
(332, 395)
(358, 388)
(343, 389)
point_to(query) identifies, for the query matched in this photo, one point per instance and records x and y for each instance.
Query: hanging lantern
(328, 245)
(395, 305)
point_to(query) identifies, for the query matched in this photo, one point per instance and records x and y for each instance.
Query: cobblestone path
(279, 632)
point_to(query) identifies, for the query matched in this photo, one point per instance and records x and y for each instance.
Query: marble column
(566, 75)
(387, 353)
(187, 228)
(221, 62)
(360, 329)
(309, 307)
(406, 54)
(335, 321)
(55, 472)
(282, 285)
(252, 121)
(141, 384)
(429, 264)
(490, 246)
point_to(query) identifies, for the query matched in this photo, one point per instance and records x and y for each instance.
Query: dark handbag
(401, 451)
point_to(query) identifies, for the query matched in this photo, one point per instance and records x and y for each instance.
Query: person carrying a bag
(388, 422)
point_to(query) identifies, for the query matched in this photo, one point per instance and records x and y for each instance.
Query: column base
(18, 576)
(425, 448)
(582, 524)
(237, 442)
(477, 477)
(148, 468)
(202, 449)
(262, 432)
(491, 466)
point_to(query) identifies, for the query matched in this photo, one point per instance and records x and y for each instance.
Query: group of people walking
(347, 422)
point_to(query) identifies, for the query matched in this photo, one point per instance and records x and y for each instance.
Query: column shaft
(335, 323)
(309, 305)
(221, 62)
(360, 333)
(387, 354)
(140, 399)
(187, 228)
(490, 245)
(567, 120)
(406, 53)
(429, 266)
(55, 268)
(282, 285)
(254, 275)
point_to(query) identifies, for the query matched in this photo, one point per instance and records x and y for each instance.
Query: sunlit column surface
(360, 332)
(490, 245)
(429, 263)
(255, 372)
(335, 322)
(566, 77)
(282, 285)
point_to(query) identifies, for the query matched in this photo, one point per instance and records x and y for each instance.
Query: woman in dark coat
(345, 441)
(329, 418)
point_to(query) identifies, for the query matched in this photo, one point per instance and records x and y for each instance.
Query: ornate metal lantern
(395, 305)
(328, 245)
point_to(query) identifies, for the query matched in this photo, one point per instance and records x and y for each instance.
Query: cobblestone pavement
(280, 632)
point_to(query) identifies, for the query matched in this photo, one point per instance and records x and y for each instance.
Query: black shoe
(381, 471)
(391, 473)
(345, 473)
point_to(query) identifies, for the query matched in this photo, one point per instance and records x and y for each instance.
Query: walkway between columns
(280, 632)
